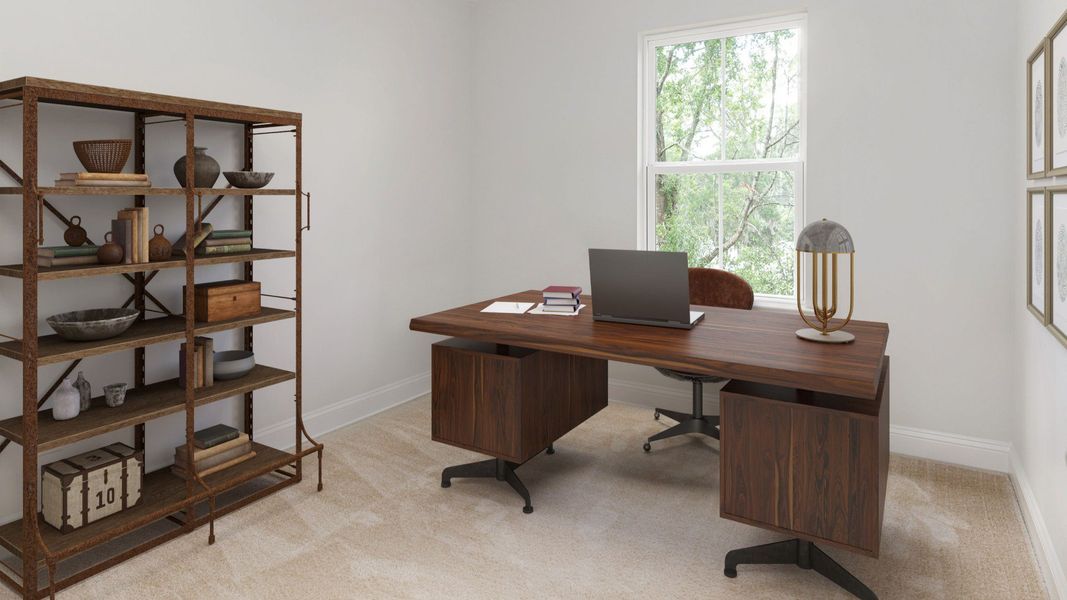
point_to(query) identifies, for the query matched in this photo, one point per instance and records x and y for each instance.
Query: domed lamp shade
(825, 241)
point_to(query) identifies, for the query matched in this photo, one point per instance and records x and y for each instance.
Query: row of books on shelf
(216, 448)
(103, 180)
(561, 298)
(203, 363)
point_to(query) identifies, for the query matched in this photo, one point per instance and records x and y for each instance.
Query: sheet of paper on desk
(540, 310)
(514, 308)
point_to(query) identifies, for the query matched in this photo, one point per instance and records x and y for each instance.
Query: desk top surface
(757, 345)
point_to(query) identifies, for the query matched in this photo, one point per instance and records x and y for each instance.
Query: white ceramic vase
(66, 401)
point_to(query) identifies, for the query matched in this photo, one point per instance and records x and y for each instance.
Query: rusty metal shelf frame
(31, 92)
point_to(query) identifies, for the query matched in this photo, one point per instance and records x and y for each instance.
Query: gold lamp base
(834, 337)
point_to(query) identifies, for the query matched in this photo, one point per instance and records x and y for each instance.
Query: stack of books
(61, 256)
(130, 230)
(216, 448)
(203, 363)
(103, 180)
(226, 241)
(561, 298)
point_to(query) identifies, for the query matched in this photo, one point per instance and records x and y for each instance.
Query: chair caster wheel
(527, 509)
(446, 484)
(731, 573)
(647, 447)
(655, 415)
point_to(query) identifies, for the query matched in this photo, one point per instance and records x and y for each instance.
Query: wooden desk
(800, 413)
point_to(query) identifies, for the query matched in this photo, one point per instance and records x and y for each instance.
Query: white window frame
(649, 168)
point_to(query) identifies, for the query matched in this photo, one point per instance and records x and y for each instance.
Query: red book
(562, 291)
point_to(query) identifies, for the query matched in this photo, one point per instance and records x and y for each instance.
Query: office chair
(707, 287)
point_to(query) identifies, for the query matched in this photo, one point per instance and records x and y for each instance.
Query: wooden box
(808, 464)
(511, 402)
(222, 300)
(88, 487)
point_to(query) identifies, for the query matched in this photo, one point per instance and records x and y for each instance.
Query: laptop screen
(640, 285)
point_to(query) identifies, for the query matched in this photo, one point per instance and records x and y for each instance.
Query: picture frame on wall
(1037, 255)
(1057, 101)
(1056, 306)
(1038, 121)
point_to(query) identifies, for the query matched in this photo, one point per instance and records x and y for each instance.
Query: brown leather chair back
(715, 287)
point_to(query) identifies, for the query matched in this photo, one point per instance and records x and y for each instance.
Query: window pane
(758, 229)
(687, 216)
(762, 95)
(687, 101)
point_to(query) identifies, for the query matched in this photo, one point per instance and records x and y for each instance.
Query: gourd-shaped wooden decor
(75, 235)
(158, 247)
(110, 253)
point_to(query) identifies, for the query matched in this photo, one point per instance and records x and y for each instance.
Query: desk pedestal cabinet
(510, 403)
(807, 464)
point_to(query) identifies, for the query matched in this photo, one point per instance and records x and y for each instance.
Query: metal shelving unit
(44, 559)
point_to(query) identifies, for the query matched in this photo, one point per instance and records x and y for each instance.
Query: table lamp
(825, 240)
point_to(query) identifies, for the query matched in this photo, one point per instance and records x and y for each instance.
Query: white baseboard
(1047, 558)
(345, 412)
(977, 453)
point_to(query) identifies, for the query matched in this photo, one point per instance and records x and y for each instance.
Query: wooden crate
(222, 300)
(88, 487)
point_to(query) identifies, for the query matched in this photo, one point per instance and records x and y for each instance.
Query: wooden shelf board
(142, 405)
(162, 494)
(67, 272)
(157, 191)
(53, 348)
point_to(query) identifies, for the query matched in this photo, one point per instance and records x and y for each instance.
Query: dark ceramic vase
(206, 169)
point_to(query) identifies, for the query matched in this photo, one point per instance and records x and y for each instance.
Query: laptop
(642, 287)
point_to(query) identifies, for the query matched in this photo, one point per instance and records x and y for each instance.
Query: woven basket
(103, 156)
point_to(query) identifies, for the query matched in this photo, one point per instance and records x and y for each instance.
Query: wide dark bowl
(231, 364)
(93, 324)
(248, 179)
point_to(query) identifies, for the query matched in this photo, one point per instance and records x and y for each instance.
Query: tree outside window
(726, 151)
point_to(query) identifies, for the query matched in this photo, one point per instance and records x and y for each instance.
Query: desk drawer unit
(809, 464)
(510, 402)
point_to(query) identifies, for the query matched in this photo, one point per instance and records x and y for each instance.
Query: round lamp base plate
(835, 337)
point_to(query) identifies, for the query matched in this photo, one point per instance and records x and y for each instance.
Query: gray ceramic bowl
(248, 179)
(93, 324)
(231, 364)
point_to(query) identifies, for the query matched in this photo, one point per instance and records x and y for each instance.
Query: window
(723, 148)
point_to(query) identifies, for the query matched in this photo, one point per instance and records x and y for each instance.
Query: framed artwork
(1037, 113)
(1037, 255)
(1057, 75)
(1057, 244)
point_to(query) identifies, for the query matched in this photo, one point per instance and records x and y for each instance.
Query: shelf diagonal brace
(48, 394)
(204, 212)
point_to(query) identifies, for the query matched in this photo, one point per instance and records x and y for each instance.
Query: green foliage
(730, 99)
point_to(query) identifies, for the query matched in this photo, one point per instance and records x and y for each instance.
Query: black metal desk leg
(803, 554)
(497, 468)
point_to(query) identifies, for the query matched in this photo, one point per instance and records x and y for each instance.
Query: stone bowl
(248, 179)
(93, 324)
(231, 364)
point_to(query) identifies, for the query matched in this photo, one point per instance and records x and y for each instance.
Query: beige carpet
(609, 522)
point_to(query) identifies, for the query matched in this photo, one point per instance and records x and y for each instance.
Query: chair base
(706, 425)
(803, 554)
(498, 468)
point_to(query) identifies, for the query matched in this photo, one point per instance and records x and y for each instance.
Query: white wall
(385, 91)
(901, 96)
(1040, 399)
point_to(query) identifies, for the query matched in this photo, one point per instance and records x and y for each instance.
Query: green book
(64, 251)
(228, 249)
(214, 435)
(230, 233)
